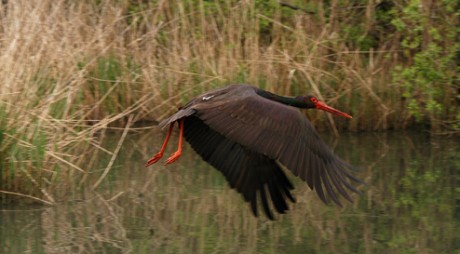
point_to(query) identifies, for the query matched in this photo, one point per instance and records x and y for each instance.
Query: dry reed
(70, 71)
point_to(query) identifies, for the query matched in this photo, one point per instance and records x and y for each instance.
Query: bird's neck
(291, 101)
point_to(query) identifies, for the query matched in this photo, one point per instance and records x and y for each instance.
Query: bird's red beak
(323, 106)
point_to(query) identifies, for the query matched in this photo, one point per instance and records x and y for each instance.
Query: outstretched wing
(282, 133)
(252, 174)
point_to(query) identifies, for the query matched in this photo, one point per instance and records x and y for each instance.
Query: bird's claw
(154, 159)
(173, 158)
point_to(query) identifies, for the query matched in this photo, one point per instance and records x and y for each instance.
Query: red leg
(158, 156)
(178, 153)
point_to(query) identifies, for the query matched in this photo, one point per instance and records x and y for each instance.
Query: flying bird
(249, 134)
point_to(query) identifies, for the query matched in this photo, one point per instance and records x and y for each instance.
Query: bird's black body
(247, 134)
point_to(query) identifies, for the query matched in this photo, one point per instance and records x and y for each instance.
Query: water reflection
(411, 205)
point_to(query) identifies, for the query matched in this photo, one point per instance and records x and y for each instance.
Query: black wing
(252, 174)
(281, 133)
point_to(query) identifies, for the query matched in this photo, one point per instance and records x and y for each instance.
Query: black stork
(249, 134)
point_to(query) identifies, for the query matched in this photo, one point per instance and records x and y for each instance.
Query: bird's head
(312, 102)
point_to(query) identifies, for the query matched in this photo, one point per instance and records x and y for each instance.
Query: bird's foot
(173, 157)
(154, 159)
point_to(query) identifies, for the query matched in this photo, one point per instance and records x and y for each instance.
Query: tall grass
(70, 70)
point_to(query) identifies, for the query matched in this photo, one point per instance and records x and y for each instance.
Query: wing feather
(282, 133)
(254, 175)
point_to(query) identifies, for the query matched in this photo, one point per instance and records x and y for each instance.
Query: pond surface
(410, 205)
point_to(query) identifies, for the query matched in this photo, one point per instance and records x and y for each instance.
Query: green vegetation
(430, 75)
(73, 70)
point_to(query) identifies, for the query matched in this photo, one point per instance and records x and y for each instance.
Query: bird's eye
(314, 100)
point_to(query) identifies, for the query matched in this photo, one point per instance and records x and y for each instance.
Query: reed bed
(70, 71)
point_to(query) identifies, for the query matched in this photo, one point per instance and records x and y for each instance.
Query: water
(410, 205)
